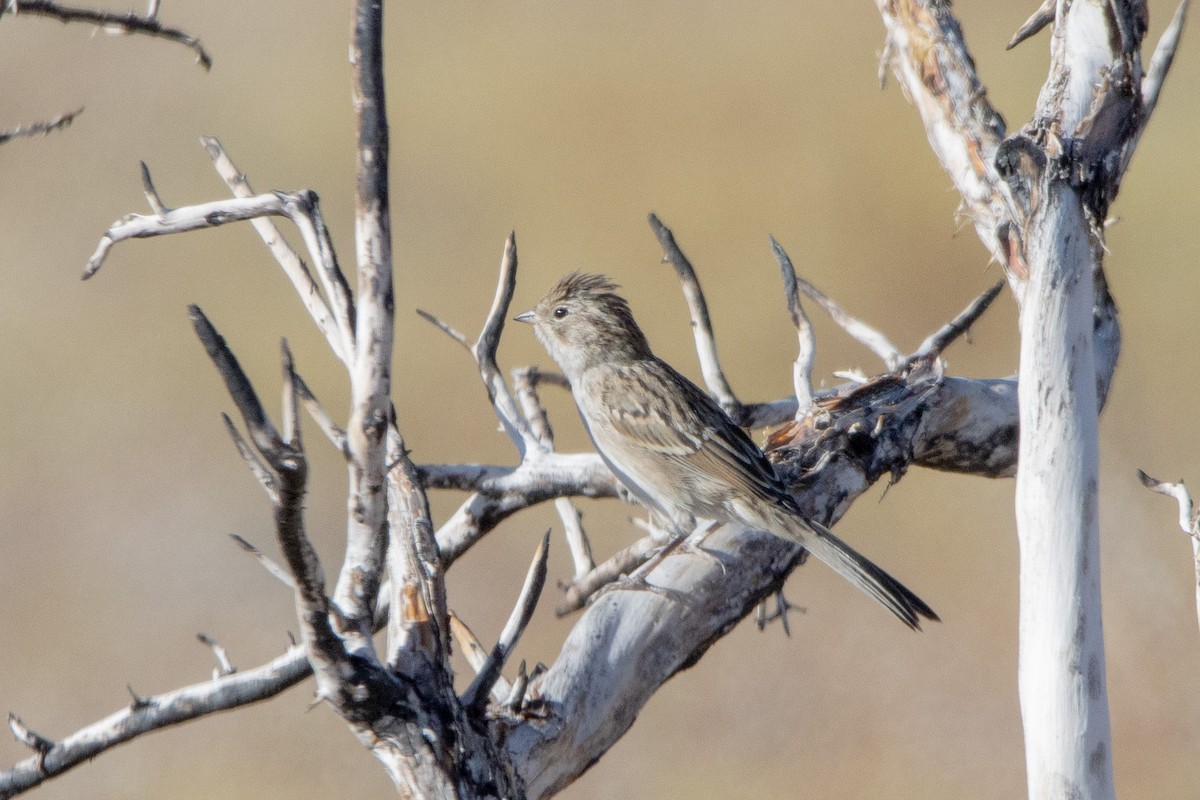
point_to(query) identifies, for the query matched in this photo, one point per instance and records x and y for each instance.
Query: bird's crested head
(582, 321)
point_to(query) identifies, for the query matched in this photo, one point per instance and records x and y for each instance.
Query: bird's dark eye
(560, 312)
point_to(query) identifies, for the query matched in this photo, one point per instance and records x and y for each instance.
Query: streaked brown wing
(672, 417)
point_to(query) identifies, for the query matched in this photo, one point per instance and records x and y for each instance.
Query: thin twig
(40, 128)
(468, 643)
(290, 408)
(127, 23)
(539, 377)
(1037, 20)
(331, 429)
(706, 344)
(1189, 521)
(446, 329)
(476, 654)
(310, 222)
(138, 702)
(577, 538)
(29, 737)
(293, 266)
(485, 351)
(152, 196)
(1160, 62)
(262, 432)
(858, 330)
(803, 367)
(224, 665)
(257, 468)
(623, 562)
(267, 563)
(535, 579)
(525, 382)
(516, 694)
(1187, 517)
(940, 339)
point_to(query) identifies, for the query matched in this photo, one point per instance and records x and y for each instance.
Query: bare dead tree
(1038, 200)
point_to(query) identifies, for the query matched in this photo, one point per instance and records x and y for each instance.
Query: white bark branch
(1064, 700)
(855, 328)
(1063, 171)
(702, 331)
(803, 367)
(370, 371)
(224, 665)
(477, 655)
(273, 569)
(525, 382)
(339, 333)
(929, 57)
(531, 591)
(155, 713)
(484, 352)
(1160, 62)
(1189, 521)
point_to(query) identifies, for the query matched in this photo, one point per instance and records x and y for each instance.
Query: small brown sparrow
(671, 445)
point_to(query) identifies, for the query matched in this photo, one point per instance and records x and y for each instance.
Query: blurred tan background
(567, 122)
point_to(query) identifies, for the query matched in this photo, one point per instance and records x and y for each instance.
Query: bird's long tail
(856, 568)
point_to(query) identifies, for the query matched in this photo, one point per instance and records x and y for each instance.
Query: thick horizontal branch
(505, 491)
(549, 476)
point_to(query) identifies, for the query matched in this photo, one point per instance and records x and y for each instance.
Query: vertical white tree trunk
(1064, 706)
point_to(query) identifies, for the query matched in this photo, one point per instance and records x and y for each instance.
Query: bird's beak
(527, 317)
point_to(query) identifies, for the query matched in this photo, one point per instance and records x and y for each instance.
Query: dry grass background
(567, 122)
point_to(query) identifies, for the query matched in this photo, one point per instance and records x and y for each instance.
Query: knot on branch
(1021, 163)
(870, 430)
